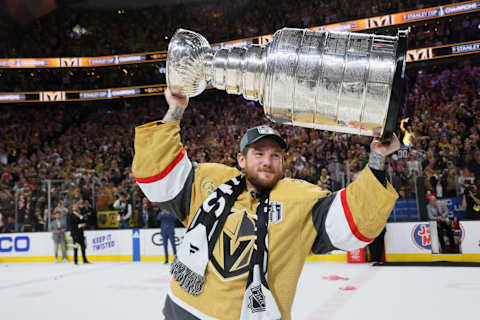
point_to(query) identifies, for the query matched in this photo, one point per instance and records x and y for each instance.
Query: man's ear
(241, 160)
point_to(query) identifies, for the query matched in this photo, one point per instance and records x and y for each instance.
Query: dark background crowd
(73, 32)
(85, 149)
(52, 36)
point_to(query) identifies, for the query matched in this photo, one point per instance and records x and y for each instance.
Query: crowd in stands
(92, 143)
(89, 146)
(444, 128)
(455, 29)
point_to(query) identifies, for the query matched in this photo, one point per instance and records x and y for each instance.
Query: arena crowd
(88, 146)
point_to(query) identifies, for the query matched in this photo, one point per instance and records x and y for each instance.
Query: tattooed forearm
(173, 114)
(376, 161)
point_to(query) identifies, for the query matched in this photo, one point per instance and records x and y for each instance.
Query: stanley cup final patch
(256, 299)
(275, 212)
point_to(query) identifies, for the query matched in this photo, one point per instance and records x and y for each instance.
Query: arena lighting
(11, 97)
(349, 26)
(414, 55)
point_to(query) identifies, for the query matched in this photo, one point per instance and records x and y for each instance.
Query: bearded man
(249, 231)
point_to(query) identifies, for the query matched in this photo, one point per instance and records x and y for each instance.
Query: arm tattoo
(173, 114)
(376, 161)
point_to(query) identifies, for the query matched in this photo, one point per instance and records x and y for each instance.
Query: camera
(468, 188)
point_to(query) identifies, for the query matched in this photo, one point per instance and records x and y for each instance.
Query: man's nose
(267, 161)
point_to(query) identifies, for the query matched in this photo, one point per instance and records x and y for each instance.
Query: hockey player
(250, 231)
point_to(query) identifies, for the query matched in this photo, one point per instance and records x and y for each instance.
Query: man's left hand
(385, 149)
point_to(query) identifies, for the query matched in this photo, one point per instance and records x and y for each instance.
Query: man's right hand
(177, 105)
(175, 100)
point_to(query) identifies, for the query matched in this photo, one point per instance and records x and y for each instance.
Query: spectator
(60, 208)
(124, 211)
(401, 181)
(10, 226)
(474, 165)
(58, 227)
(438, 211)
(39, 221)
(167, 230)
(325, 182)
(91, 215)
(450, 175)
(336, 172)
(21, 216)
(408, 133)
(78, 224)
(29, 220)
(146, 213)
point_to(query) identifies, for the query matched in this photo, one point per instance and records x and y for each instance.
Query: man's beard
(261, 183)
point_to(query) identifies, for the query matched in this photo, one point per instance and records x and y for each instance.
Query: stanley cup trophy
(336, 81)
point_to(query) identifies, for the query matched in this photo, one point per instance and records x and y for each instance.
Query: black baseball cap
(254, 134)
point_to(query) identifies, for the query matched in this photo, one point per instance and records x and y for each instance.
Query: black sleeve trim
(322, 242)
(180, 205)
(381, 176)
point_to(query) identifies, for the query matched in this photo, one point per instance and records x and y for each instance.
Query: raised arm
(354, 216)
(176, 107)
(161, 166)
(163, 170)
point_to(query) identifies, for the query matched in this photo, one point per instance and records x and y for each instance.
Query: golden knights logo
(70, 62)
(48, 96)
(256, 300)
(382, 21)
(234, 248)
(419, 54)
(208, 186)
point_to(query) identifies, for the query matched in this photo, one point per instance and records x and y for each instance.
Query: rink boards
(413, 241)
(408, 241)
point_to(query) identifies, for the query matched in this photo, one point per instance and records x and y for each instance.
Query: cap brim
(280, 141)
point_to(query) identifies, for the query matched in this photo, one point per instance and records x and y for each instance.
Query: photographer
(471, 202)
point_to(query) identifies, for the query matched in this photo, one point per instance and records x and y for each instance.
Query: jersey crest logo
(208, 186)
(234, 248)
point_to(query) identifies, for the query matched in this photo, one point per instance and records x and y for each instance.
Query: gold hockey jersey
(303, 219)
